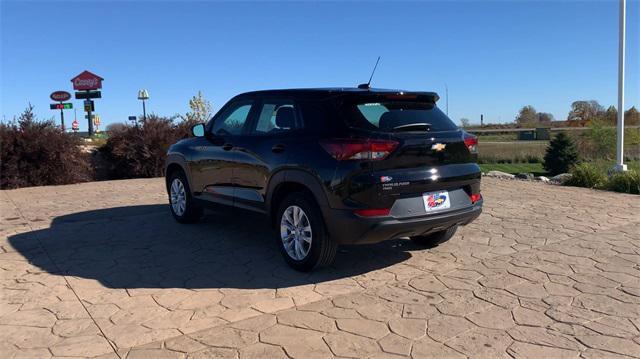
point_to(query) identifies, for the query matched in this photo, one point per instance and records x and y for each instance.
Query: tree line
(582, 113)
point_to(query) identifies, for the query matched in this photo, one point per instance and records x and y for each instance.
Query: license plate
(436, 201)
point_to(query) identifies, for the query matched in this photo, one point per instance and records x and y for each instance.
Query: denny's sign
(87, 81)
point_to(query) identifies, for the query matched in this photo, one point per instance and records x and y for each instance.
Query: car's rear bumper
(345, 227)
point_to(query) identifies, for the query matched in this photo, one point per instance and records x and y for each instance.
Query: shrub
(38, 153)
(586, 175)
(602, 139)
(626, 182)
(533, 159)
(140, 151)
(561, 154)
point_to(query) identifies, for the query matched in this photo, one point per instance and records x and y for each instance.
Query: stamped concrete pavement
(102, 270)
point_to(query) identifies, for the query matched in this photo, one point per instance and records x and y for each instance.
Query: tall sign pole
(60, 97)
(620, 166)
(88, 104)
(86, 84)
(62, 115)
(143, 95)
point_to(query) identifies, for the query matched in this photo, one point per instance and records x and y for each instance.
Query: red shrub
(38, 153)
(140, 151)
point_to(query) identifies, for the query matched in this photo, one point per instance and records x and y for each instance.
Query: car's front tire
(433, 239)
(302, 235)
(183, 207)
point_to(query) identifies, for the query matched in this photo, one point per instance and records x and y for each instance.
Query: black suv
(330, 167)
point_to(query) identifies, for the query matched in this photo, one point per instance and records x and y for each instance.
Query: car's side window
(233, 120)
(276, 117)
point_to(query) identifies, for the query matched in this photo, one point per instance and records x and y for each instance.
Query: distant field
(497, 137)
(495, 151)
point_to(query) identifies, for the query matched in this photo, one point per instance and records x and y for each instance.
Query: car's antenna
(368, 84)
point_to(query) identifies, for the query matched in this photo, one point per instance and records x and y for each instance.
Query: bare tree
(544, 118)
(200, 109)
(585, 111)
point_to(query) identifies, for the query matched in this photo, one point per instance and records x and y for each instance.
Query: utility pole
(620, 166)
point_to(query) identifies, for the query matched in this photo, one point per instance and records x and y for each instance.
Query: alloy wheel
(178, 197)
(295, 232)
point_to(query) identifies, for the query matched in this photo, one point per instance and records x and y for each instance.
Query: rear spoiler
(430, 97)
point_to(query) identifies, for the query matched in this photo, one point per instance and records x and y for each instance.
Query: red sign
(75, 125)
(87, 81)
(60, 96)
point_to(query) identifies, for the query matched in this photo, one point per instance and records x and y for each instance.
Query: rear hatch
(429, 153)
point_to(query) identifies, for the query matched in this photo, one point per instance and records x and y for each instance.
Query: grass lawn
(514, 168)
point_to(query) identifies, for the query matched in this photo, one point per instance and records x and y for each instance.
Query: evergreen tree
(561, 154)
(631, 117)
(611, 116)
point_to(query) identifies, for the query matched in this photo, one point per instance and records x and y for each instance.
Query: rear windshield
(391, 116)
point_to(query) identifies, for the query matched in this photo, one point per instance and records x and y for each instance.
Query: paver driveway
(101, 269)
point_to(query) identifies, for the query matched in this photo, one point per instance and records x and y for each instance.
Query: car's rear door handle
(277, 148)
(227, 146)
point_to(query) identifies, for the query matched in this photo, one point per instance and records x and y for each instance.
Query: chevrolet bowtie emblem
(438, 147)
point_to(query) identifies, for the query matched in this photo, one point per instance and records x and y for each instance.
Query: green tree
(200, 109)
(561, 154)
(602, 139)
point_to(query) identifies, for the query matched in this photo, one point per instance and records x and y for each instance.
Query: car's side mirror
(198, 130)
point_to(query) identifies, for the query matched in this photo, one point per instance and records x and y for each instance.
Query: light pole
(143, 95)
(620, 166)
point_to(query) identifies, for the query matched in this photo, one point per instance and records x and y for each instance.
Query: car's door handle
(277, 148)
(227, 146)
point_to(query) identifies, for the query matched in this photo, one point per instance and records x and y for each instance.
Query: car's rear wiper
(421, 126)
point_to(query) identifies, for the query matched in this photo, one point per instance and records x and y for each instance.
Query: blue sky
(495, 57)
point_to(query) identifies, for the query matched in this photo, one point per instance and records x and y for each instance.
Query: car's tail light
(471, 142)
(475, 197)
(354, 149)
(373, 212)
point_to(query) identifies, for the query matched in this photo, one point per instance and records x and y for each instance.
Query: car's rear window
(390, 116)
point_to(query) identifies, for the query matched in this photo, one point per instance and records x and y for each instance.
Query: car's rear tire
(301, 234)
(181, 203)
(433, 239)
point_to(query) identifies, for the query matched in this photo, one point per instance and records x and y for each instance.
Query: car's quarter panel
(297, 176)
(177, 156)
(306, 155)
